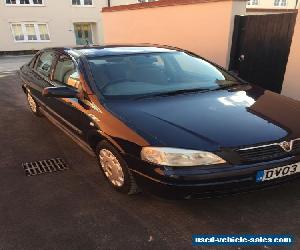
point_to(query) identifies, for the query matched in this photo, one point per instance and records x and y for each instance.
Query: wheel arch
(96, 136)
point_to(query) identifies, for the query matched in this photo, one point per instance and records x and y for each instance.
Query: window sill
(25, 5)
(268, 8)
(33, 41)
(83, 6)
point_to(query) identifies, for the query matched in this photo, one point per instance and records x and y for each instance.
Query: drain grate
(44, 166)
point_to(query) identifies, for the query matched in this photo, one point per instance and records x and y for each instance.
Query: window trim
(31, 4)
(37, 32)
(82, 4)
(32, 62)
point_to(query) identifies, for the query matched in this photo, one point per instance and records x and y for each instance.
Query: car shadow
(274, 210)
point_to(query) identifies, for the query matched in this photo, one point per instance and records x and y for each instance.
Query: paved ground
(11, 63)
(76, 209)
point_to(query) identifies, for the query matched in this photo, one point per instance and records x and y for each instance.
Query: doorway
(83, 33)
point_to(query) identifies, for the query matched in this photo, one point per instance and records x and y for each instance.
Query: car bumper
(201, 182)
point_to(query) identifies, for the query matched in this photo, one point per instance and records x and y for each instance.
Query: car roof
(110, 50)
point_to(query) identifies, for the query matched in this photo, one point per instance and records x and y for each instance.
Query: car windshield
(155, 73)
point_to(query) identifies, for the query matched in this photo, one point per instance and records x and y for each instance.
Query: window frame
(251, 3)
(32, 62)
(279, 4)
(24, 32)
(31, 4)
(82, 4)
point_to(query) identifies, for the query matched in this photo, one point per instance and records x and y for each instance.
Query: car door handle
(69, 102)
(84, 104)
(94, 118)
(80, 102)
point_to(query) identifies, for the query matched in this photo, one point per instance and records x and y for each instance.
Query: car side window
(44, 63)
(65, 72)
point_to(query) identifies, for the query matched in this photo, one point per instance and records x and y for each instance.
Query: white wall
(60, 16)
(269, 4)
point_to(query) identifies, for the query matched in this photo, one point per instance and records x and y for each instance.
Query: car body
(226, 138)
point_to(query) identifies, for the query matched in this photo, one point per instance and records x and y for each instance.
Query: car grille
(268, 152)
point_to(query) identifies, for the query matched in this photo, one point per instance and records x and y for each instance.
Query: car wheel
(115, 169)
(33, 105)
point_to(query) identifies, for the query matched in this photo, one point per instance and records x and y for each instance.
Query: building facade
(36, 24)
(203, 27)
(271, 6)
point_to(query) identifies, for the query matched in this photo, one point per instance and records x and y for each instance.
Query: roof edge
(161, 3)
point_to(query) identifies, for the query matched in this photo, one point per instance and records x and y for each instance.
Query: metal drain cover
(44, 166)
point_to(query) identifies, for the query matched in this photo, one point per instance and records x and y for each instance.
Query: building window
(44, 34)
(82, 2)
(30, 32)
(252, 2)
(280, 3)
(24, 2)
(17, 32)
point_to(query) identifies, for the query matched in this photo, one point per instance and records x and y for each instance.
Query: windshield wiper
(175, 92)
(226, 84)
(223, 84)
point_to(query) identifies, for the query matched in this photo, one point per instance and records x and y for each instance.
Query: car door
(72, 111)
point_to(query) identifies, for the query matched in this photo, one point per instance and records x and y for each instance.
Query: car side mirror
(60, 92)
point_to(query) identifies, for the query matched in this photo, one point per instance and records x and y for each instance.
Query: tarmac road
(77, 209)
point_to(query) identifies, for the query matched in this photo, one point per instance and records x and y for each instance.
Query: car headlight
(179, 157)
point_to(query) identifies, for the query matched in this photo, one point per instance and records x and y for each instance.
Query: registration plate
(274, 173)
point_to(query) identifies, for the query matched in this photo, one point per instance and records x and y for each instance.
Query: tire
(33, 106)
(115, 169)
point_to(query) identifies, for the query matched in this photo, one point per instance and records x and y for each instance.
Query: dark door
(72, 111)
(260, 48)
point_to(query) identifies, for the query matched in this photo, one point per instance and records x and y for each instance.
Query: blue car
(166, 121)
